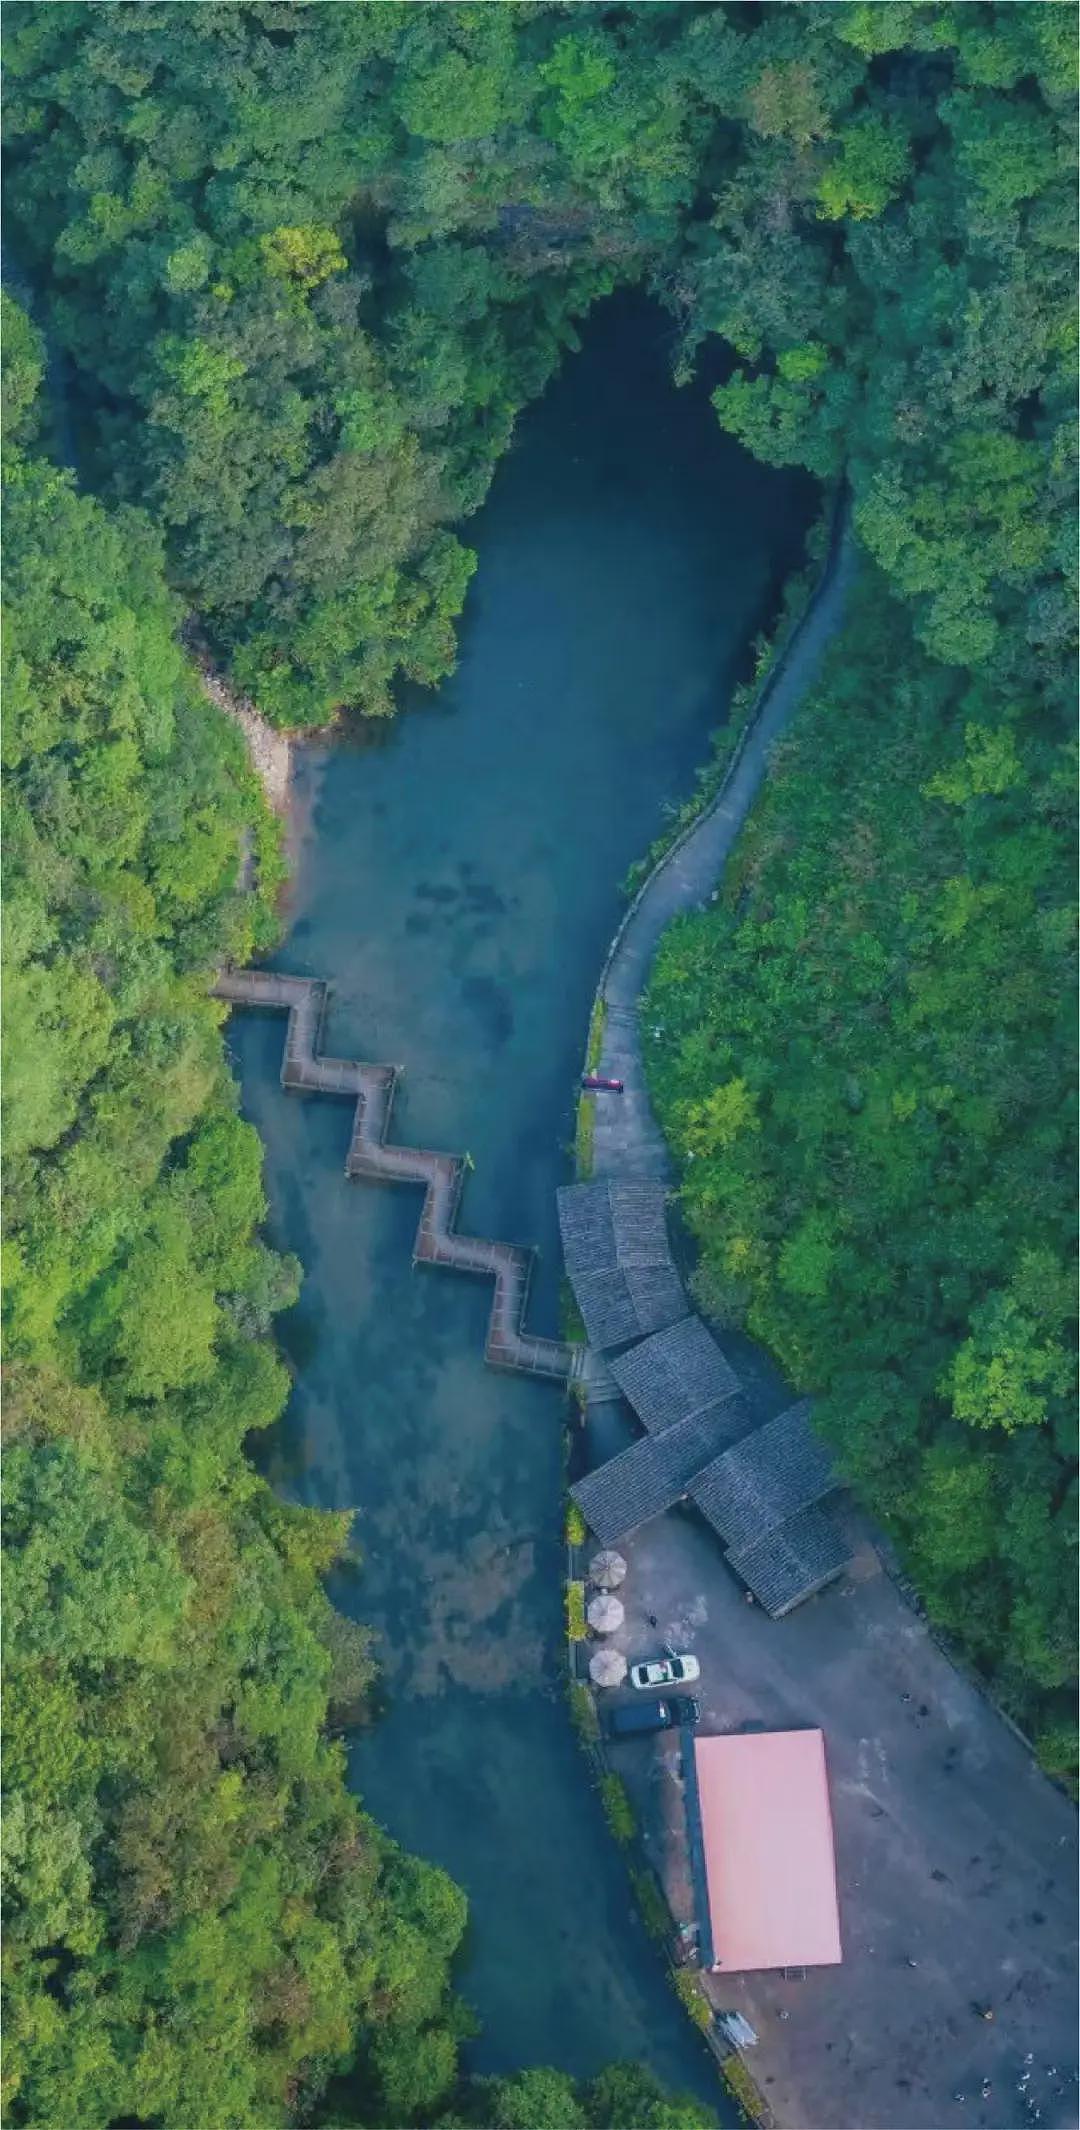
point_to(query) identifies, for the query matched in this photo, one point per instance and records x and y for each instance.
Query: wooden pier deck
(371, 1159)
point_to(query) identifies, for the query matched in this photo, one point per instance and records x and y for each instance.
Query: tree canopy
(301, 268)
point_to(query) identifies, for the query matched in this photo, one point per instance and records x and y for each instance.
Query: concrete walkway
(957, 1859)
(627, 1139)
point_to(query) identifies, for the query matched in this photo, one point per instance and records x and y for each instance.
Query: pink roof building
(770, 1864)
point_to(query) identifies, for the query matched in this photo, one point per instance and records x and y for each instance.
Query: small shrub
(751, 2104)
(583, 1714)
(583, 1138)
(1056, 1751)
(652, 1906)
(692, 1998)
(618, 1810)
(575, 1611)
(597, 1024)
(576, 1526)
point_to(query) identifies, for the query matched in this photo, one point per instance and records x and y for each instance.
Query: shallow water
(458, 881)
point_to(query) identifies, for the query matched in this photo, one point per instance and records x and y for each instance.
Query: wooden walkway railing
(442, 1176)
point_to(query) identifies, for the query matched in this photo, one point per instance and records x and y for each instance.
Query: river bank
(273, 755)
(269, 750)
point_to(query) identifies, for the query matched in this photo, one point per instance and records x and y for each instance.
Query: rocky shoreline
(270, 751)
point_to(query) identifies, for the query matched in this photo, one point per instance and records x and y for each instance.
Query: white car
(665, 1671)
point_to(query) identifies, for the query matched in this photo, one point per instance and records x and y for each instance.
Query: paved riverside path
(627, 1140)
(956, 1858)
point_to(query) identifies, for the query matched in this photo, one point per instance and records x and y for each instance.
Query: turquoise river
(458, 878)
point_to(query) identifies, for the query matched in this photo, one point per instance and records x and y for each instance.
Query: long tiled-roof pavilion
(618, 1258)
(792, 1561)
(757, 1486)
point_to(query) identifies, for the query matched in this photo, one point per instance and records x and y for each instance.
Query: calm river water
(458, 881)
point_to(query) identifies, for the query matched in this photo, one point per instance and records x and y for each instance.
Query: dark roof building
(652, 1473)
(678, 1372)
(757, 1486)
(618, 1258)
(774, 1473)
(792, 1561)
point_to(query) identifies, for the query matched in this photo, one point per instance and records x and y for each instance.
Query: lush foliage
(624, 2097)
(861, 1065)
(306, 264)
(309, 263)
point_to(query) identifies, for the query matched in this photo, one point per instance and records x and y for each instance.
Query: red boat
(595, 1083)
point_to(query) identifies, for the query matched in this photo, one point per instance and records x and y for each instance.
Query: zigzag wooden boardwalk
(369, 1157)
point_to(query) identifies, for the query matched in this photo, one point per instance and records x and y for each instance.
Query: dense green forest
(301, 267)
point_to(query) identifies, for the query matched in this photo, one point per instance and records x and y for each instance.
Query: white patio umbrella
(607, 1666)
(605, 1614)
(607, 1568)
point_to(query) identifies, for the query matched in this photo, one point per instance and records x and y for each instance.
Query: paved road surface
(952, 1851)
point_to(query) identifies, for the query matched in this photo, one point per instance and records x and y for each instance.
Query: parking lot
(956, 1858)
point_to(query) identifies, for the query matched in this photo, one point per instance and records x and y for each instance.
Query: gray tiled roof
(792, 1561)
(607, 1307)
(586, 1227)
(647, 1477)
(771, 1475)
(639, 1219)
(677, 1372)
(618, 1258)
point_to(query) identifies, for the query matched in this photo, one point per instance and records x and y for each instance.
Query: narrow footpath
(627, 1141)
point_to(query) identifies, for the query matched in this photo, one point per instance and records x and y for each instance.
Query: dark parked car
(634, 1717)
